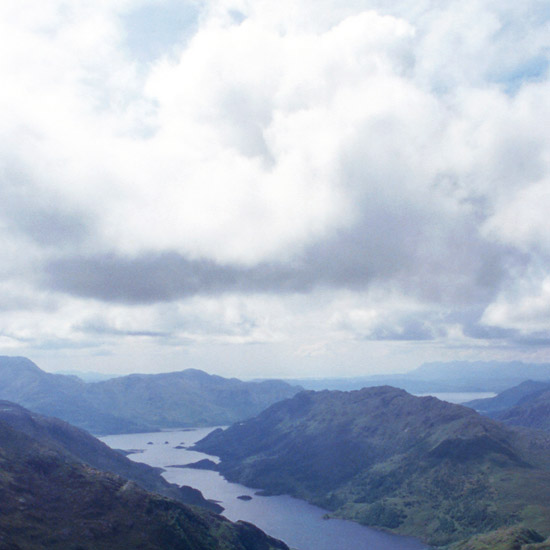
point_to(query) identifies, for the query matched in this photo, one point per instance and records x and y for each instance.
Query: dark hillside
(81, 446)
(50, 500)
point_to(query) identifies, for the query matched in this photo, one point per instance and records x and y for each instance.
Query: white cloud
(390, 147)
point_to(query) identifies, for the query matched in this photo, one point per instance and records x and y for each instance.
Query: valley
(412, 466)
(299, 524)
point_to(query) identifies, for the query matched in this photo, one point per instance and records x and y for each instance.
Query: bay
(301, 525)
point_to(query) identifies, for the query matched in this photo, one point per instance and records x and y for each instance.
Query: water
(298, 523)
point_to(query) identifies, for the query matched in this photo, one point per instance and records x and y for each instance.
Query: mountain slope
(509, 397)
(21, 381)
(50, 500)
(527, 405)
(532, 411)
(80, 446)
(385, 458)
(186, 398)
(137, 403)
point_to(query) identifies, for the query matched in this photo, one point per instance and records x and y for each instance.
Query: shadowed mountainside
(137, 403)
(81, 446)
(49, 499)
(382, 457)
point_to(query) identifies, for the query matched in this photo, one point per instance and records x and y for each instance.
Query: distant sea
(459, 397)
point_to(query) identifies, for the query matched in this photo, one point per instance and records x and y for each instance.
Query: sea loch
(299, 524)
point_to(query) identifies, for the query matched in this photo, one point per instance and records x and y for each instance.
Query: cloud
(160, 154)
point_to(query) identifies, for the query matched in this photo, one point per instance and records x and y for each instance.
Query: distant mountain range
(382, 457)
(455, 376)
(527, 404)
(51, 499)
(138, 402)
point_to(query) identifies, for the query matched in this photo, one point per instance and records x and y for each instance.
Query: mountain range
(382, 457)
(52, 499)
(451, 376)
(138, 402)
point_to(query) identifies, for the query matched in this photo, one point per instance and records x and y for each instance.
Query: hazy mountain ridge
(385, 458)
(51, 500)
(451, 376)
(138, 403)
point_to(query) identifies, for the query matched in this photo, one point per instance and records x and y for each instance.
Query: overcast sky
(274, 187)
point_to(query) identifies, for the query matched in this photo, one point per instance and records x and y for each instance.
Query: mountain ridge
(451, 376)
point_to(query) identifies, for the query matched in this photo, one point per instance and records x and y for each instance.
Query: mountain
(80, 446)
(532, 411)
(186, 398)
(138, 402)
(508, 398)
(51, 500)
(58, 395)
(384, 458)
(527, 405)
(453, 376)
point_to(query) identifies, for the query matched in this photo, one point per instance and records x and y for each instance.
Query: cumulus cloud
(268, 154)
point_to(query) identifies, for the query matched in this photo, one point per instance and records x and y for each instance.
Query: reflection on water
(296, 522)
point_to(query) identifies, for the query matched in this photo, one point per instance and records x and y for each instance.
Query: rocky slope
(48, 499)
(137, 403)
(385, 458)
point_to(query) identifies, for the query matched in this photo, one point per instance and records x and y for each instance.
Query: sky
(274, 188)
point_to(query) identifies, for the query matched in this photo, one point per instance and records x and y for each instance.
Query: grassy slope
(384, 458)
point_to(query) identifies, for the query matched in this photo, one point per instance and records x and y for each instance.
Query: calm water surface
(298, 523)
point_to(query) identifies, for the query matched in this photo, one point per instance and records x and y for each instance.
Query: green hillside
(384, 458)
